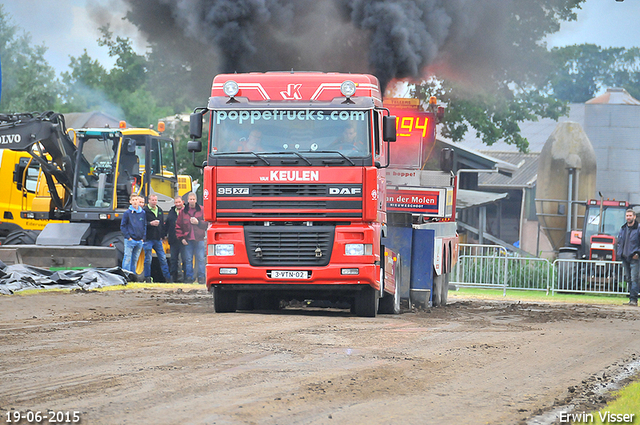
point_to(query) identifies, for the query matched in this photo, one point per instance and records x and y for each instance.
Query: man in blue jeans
(628, 250)
(191, 230)
(155, 232)
(134, 231)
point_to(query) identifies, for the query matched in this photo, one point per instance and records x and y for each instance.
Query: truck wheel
(436, 297)
(116, 240)
(366, 302)
(390, 304)
(21, 237)
(224, 301)
(444, 295)
(266, 301)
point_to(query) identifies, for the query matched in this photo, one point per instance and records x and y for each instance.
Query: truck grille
(289, 200)
(288, 190)
(289, 245)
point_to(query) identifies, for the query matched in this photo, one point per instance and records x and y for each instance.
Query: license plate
(289, 274)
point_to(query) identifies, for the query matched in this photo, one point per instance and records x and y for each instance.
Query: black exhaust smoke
(389, 38)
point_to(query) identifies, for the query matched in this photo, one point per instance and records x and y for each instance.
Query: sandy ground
(161, 356)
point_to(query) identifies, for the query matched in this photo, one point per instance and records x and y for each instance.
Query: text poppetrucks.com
(604, 416)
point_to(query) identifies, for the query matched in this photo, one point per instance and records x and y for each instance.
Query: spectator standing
(134, 231)
(628, 250)
(155, 233)
(191, 230)
(175, 244)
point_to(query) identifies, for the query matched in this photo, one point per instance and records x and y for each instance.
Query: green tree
(581, 71)
(29, 83)
(84, 86)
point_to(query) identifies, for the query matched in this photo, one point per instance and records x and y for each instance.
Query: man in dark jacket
(175, 245)
(134, 231)
(155, 234)
(191, 230)
(628, 250)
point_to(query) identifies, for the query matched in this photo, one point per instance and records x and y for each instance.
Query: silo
(566, 171)
(612, 123)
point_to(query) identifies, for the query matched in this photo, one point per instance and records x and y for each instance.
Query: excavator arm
(45, 137)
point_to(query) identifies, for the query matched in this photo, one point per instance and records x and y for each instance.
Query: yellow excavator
(84, 180)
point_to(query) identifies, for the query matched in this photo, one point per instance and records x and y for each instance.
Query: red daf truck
(295, 191)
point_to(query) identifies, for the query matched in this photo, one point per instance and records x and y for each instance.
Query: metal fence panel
(589, 276)
(492, 266)
(480, 266)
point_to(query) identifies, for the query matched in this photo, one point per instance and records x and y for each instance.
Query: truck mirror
(194, 145)
(446, 160)
(195, 126)
(389, 128)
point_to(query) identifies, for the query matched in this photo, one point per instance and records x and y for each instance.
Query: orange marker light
(122, 124)
(161, 126)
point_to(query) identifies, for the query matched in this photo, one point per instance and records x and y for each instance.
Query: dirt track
(162, 357)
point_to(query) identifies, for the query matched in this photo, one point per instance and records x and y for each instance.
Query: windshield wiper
(245, 153)
(339, 153)
(294, 153)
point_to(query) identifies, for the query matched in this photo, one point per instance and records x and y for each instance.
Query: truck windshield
(270, 131)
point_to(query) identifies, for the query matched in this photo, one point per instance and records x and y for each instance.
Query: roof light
(122, 124)
(433, 100)
(348, 88)
(230, 88)
(161, 126)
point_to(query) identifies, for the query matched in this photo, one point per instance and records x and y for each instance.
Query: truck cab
(295, 188)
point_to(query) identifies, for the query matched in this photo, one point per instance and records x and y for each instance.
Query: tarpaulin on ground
(18, 277)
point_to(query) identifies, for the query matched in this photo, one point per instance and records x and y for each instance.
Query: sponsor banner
(288, 115)
(430, 202)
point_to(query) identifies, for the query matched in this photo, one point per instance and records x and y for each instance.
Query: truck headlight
(230, 88)
(222, 250)
(358, 249)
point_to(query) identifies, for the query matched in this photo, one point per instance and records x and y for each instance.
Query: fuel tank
(566, 167)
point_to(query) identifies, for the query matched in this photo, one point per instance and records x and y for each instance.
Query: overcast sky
(66, 28)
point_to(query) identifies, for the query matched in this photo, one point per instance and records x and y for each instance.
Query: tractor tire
(21, 237)
(568, 274)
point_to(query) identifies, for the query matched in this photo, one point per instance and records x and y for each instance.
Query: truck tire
(21, 237)
(224, 301)
(266, 301)
(438, 288)
(444, 296)
(116, 240)
(366, 302)
(390, 304)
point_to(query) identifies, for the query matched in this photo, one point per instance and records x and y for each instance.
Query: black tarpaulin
(18, 277)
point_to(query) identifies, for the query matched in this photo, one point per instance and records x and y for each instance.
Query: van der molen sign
(417, 201)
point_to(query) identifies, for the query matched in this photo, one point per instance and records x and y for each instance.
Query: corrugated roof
(525, 174)
(475, 198)
(614, 96)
